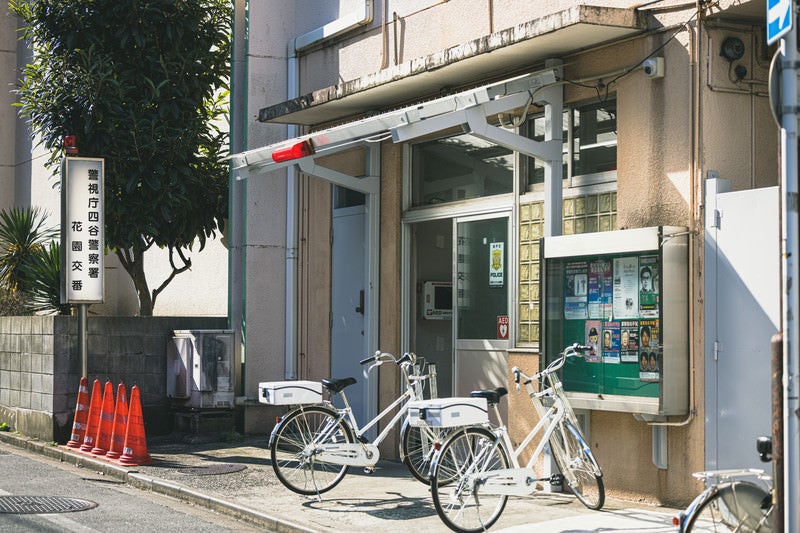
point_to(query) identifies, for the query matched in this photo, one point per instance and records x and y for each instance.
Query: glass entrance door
(482, 278)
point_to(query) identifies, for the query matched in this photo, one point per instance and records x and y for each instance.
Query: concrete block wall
(40, 367)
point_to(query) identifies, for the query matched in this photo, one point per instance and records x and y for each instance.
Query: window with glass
(590, 143)
(459, 168)
(589, 157)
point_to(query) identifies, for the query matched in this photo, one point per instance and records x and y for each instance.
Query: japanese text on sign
(82, 239)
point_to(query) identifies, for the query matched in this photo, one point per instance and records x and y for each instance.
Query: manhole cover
(222, 468)
(43, 504)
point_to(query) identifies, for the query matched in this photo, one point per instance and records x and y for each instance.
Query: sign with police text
(496, 264)
(82, 235)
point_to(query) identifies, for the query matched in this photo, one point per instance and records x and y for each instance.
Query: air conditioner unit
(200, 368)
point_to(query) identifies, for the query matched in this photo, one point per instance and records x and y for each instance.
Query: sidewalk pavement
(236, 478)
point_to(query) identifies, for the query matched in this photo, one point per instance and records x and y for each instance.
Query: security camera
(653, 67)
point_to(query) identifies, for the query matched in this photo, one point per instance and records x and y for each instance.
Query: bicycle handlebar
(573, 350)
(380, 357)
(370, 358)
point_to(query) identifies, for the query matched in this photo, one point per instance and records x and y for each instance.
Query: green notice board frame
(625, 293)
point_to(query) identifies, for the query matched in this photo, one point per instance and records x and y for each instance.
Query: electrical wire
(603, 89)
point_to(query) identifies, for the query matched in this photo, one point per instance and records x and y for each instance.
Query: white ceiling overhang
(492, 57)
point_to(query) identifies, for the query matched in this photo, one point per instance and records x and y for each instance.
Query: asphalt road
(119, 507)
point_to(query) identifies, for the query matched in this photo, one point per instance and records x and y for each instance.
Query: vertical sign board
(82, 231)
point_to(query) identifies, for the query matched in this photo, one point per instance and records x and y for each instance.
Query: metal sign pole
(83, 338)
(790, 277)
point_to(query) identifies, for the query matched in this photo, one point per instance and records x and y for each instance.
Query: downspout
(237, 200)
(342, 25)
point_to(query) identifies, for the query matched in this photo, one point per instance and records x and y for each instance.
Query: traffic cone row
(109, 430)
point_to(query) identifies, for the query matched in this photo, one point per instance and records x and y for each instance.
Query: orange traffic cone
(105, 422)
(94, 418)
(81, 414)
(134, 451)
(120, 424)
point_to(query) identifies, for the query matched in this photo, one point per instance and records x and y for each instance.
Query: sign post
(82, 240)
(780, 14)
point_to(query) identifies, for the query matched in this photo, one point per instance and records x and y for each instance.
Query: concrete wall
(40, 367)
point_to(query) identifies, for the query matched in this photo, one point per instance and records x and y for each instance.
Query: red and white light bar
(293, 151)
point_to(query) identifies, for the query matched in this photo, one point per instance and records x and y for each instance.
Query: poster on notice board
(575, 291)
(649, 364)
(600, 289)
(626, 287)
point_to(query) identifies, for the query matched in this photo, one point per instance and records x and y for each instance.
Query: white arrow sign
(779, 19)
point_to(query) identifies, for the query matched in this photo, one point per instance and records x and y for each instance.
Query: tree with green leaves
(143, 84)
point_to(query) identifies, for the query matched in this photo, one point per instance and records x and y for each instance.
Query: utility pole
(790, 259)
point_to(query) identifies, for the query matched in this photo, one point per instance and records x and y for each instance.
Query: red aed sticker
(502, 327)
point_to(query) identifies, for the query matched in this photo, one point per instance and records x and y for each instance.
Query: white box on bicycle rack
(448, 412)
(289, 392)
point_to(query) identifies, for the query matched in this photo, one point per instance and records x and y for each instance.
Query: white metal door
(482, 279)
(742, 262)
(348, 303)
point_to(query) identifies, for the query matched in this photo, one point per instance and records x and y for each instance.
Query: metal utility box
(625, 293)
(200, 368)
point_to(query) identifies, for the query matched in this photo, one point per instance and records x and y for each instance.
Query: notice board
(624, 294)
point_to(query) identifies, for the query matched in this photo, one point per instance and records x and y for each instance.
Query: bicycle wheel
(418, 449)
(577, 465)
(467, 454)
(293, 449)
(738, 506)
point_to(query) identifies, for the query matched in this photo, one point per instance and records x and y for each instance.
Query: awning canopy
(467, 111)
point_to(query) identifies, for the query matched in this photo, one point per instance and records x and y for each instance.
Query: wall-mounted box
(626, 294)
(437, 300)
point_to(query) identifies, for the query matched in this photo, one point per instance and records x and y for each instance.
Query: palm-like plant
(42, 272)
(23, 235)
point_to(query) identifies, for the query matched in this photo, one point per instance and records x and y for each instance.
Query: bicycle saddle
(492, 396)
(337, 385)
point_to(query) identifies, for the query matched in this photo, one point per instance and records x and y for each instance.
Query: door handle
(360, 308)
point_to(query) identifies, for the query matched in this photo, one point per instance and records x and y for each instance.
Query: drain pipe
(356, 19)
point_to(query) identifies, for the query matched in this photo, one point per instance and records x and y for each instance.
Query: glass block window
(581, 214)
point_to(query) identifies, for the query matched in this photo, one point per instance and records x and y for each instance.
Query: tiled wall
(581, 214)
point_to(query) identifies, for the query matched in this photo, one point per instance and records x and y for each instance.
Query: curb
(140, 481)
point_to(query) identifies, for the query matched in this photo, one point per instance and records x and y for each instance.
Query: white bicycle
(313, 446)
(477, 467)
(735, 500)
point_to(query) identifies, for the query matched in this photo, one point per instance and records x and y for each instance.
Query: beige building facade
(439, 176)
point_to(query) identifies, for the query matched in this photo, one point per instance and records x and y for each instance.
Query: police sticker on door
(496, 267)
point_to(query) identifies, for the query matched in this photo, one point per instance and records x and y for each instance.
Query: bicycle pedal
(556, 480)
(369, 470)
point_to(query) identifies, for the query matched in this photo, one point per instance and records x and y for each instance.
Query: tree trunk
(134, 266)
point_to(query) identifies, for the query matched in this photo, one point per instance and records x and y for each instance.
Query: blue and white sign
(779, 19)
